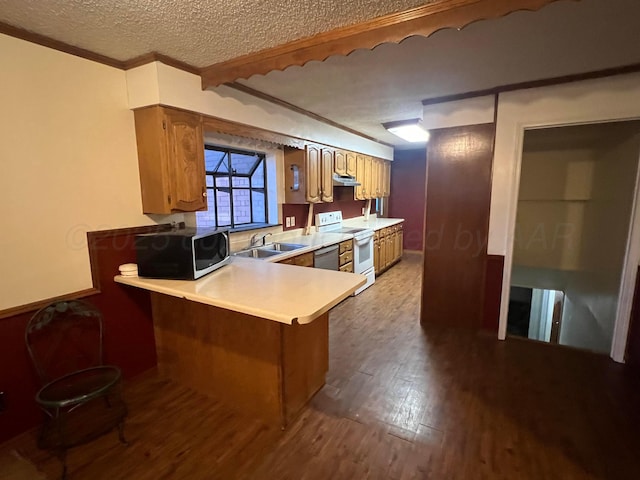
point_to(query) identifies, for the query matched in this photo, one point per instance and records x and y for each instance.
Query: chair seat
(78, 387)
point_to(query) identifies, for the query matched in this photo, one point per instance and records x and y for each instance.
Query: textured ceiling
(366, 88)
(198, 32)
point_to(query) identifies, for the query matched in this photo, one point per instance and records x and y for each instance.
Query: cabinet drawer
(344, 246)
(288, 261)
(347, 267)
(346, 257)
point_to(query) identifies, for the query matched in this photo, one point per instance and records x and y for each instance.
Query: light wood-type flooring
(401, 402)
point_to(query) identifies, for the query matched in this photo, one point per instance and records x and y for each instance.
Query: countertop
(282, 293)
(375, 223)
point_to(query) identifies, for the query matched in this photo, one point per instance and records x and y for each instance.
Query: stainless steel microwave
(184, 254)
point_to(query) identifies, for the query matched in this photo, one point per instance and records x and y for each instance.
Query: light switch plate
(287, 222)
(293, 221)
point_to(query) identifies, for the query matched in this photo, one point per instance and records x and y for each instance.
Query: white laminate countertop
(375, 223)
(282, 293)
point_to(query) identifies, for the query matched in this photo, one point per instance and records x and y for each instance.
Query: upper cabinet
(345, 163)
(364, 175)
(171, 160)
(309, 174)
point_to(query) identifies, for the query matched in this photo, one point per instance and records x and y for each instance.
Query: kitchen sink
(285, 247)
(257, 253)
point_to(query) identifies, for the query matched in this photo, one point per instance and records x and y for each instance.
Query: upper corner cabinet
(308, 174)
(171, 160)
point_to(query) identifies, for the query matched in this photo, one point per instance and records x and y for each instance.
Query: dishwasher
(327, 258)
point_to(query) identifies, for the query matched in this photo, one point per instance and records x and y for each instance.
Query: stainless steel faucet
(255, 238)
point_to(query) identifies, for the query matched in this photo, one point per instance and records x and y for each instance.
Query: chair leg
(62, 455)
(121, 436)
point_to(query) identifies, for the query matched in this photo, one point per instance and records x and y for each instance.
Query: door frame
(632, 253)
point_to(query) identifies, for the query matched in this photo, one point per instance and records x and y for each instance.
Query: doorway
(574, 209)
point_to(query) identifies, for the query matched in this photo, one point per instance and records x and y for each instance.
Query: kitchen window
(237, 194)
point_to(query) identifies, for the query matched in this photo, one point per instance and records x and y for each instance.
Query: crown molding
(49, 42)
(393, 28)
(544, 82)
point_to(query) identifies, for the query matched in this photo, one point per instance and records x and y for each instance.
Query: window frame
(261, 162)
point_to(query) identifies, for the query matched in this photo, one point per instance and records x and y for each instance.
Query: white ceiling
(365, 88)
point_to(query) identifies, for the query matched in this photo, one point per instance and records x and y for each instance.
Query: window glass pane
(222, 182)
(241, 206)
(224, 208)
(243, 163)
(259, 207)
(257, 180)
(209, 179)
(212, 158)
(208, 218)
(240, 182)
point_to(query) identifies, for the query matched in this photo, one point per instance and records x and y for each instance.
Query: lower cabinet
(304, 260)
(346, 256)
(387, 247)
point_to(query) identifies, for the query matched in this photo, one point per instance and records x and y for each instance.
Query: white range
(362, 244)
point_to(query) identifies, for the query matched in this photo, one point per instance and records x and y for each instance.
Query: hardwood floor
(401, 402)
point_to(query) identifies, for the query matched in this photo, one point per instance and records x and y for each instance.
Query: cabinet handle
(204, 192)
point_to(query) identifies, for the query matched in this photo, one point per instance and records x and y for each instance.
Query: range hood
(344, 181)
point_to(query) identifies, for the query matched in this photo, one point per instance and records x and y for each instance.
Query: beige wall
(69, 165)
(572, 225)
(555, 186)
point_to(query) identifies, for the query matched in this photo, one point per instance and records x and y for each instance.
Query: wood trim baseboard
(33, 306)
(424, 20)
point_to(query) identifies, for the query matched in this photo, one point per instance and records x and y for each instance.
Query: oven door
(363, 252)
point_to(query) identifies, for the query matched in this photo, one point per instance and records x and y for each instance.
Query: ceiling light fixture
(409, 130)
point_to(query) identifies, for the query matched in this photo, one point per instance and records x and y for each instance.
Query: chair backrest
(64, 337)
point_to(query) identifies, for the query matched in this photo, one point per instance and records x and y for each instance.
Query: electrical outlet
(287, 222)
(293, 221)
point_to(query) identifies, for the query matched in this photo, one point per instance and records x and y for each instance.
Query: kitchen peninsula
(252, 334)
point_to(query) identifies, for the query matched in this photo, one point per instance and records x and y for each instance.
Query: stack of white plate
(128, 270)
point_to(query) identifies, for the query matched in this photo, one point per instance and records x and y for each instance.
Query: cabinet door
(312, 161)
(368, 177)
(382, 264)
(340, 162)
(360, 190)
(351, 163)
(390, 243)
(185, 143)
(400, 240)
(326, 175)
(386, 186)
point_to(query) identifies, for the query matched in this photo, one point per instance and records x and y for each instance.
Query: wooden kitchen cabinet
(351, 163)
(340, 162)
(364, 166)
(345, 163)
(308, 174)
(170, 160)
(387, 247)
(304, 260)
(346, 256)
(386, 178)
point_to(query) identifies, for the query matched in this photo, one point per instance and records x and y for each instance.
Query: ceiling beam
(393, 28)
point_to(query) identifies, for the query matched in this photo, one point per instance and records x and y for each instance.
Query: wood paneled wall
(408, 175)
(459, 163)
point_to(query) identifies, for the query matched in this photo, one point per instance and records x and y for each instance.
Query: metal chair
(81, 397)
